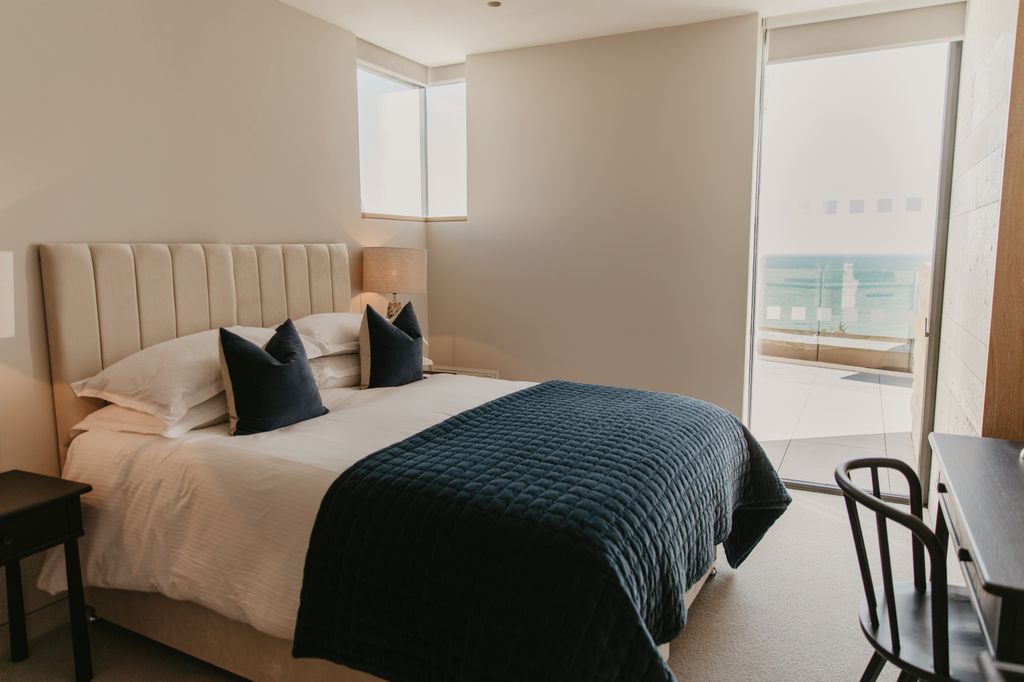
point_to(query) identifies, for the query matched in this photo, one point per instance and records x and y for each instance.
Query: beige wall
(164, 120)
(974, 222)
(609, 213)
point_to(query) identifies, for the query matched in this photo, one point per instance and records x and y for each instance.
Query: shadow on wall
(27, 430)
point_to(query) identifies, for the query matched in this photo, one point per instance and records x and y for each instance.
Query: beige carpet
(118, 656)
(788, 613)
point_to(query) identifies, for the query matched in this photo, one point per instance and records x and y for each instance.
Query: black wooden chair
(925, 628)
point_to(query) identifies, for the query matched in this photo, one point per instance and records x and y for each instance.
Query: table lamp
(6, 294)
(394, 270)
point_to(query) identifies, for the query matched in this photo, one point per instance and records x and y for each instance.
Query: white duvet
(225, 521)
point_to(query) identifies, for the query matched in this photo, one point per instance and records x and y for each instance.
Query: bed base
(231, 645)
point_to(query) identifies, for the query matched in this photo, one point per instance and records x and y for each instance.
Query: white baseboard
(471, 371)
(39, 622)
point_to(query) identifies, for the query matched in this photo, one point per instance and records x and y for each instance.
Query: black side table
(37, 513)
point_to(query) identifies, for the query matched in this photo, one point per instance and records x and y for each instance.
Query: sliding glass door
(851, 191)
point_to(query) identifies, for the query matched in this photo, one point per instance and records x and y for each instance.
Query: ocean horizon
(862, 294)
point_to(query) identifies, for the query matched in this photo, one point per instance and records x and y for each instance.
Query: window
(854, 282)
(412, 147)
(390, 142)
(446, 149)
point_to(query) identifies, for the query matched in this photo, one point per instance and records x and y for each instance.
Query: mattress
(225, 521)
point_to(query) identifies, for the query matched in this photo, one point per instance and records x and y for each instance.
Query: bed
(170, 550)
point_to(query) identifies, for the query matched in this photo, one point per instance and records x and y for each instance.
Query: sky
(850, 153)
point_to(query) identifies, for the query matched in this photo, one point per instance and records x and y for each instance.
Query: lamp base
(394, 307)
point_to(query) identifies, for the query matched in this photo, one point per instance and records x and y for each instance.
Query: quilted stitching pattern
(547, 535)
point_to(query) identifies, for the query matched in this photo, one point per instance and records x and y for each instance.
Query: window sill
(416, 219)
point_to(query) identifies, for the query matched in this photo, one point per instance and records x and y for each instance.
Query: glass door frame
(933, 323)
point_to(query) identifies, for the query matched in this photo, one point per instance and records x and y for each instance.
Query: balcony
(839, 340)
(810, 417)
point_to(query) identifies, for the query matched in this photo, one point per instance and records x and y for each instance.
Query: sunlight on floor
(809, 419)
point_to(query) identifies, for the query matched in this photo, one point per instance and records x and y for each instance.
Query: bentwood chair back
(926, 628)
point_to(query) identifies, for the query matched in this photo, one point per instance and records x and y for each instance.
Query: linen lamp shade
(394, 270)
(6, 294)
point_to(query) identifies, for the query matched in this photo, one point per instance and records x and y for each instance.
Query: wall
(164, 120)
(1004, 396)
(609, 213)
(974, 220)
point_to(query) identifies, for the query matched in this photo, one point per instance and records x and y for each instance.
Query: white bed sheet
(225, 521)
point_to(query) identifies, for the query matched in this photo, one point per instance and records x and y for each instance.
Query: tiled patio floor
(810, 419)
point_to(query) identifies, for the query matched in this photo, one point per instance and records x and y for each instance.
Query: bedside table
(36, 513)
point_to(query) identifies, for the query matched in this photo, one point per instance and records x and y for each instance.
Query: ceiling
(438, 32)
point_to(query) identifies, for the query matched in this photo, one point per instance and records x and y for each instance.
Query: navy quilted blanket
(547, 535)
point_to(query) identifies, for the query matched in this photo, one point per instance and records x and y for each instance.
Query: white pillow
(167, 379)
(117, 418)
(332, 333)
(336, 371)
(343, 371)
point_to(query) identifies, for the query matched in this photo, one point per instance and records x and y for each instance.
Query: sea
(866, 295)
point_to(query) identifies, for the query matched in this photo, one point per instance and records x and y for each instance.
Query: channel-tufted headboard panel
(106, 301)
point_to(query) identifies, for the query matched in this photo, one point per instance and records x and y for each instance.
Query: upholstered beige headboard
(107, 301)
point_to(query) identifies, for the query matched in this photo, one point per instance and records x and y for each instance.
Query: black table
(37, 513)
(981, 510)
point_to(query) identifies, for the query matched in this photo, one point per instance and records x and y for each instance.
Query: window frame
(388, 74)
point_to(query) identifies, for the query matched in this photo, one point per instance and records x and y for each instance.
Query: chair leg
(874, 668)
(906, 677)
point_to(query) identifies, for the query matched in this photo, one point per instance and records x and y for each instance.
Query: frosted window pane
(390, 146)
(446, 149)
(858, 137)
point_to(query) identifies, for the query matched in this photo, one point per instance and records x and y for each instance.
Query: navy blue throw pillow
(396, 348)
(271, 387)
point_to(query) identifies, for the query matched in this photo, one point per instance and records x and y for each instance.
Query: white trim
(470, 371)
(376, 70)
(936, 23)
(424, 156)
(450, 73)
(393, 65)
(851, 11)
(755, 214)
(388, 63)
(417, 219)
